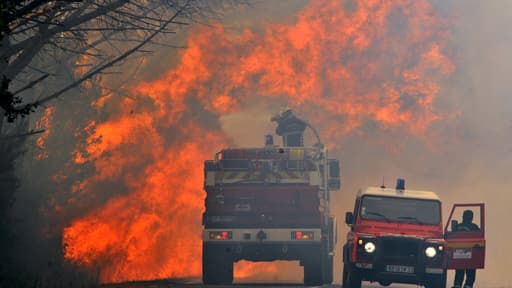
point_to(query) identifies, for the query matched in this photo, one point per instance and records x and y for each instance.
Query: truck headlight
(430, 252)
(369, 247)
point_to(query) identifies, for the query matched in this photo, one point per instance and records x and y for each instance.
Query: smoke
(480, 90)
(471, 158)
(399, 88)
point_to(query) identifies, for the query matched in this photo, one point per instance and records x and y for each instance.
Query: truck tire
(328, 267)
(313, 274)
(217, 267)
(313, 270)
(438, 281)
(351, 277)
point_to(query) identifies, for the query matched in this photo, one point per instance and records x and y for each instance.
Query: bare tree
(106, 31)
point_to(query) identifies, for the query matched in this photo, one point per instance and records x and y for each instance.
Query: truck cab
(397, 236)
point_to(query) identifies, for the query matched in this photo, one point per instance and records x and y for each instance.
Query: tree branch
(30, 133)
(97, 70)
(31, 84)
(72, 21)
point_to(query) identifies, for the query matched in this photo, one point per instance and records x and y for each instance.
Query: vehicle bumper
(267, 251)
(376, 272)
(398, 259)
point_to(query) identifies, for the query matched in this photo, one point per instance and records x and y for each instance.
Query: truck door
(465, 244)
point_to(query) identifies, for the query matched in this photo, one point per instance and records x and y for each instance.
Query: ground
(196, 283)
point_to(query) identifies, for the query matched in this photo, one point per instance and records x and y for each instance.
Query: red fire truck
(270, 203)
(397, 236)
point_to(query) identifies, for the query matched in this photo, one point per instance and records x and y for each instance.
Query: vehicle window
(401, 210)
(475, 219)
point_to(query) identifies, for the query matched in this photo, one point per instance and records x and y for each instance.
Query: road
(196, 283)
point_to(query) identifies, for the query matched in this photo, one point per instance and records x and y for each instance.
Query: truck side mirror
(334, 182)
(349, 218)
(454, 225)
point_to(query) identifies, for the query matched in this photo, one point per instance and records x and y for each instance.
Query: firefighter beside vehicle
(466, 225)
(397, 236)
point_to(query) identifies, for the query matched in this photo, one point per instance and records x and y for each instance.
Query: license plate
(399, 269)
(462, 254)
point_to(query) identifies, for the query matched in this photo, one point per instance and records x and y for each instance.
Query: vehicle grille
(399, 250)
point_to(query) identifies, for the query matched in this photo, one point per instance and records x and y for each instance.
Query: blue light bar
(400, 184)
(269, 140)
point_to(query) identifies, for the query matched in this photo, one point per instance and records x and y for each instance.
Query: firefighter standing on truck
(466, 225)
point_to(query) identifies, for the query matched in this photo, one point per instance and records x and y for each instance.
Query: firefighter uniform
(466, 225)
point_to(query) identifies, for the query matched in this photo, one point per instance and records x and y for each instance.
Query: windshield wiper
(380, 215)
(411, 218)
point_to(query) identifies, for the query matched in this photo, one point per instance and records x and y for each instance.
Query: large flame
(341, 63)
(153, 232)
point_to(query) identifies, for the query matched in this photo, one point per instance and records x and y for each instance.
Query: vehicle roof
(389, 192)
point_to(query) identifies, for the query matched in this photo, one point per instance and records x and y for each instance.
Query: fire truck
(397, 236)
(271, 203)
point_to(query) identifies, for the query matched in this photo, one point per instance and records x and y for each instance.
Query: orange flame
(379, 61)
(277, 271)
(153, 231)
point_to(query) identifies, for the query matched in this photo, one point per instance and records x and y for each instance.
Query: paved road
(195, 283)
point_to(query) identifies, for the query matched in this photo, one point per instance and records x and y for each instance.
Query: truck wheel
(313, 271)
(217, 267)
(328, 274)
(436, 281)
(312, 274)
(351, 277)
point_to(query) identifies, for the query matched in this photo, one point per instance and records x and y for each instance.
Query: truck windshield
(401, 210)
